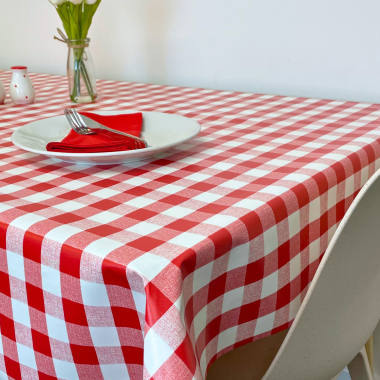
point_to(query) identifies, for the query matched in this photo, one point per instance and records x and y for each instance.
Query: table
(154, 269)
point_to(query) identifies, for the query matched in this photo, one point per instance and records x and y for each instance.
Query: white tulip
(90, 1)
(76, 2)
(57, 2)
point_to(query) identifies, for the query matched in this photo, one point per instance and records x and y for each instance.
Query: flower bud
(57, 2)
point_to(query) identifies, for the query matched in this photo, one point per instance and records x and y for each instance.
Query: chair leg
(376, 352)
(359, 367)
(369, 349)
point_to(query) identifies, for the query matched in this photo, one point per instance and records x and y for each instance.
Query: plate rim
(106, 154)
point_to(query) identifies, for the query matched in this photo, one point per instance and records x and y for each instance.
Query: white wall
(315, 48)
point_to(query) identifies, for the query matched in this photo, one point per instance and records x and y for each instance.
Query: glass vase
(81, 72)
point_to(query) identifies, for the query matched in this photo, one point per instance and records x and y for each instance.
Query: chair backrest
(342, 306)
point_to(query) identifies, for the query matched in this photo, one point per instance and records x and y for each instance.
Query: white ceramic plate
(161, 131)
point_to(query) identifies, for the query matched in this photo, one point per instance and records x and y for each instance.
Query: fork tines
(77, 122)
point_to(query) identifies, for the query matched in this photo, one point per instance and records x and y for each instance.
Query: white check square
(149, 265)
(74, 185)
(105, 193)
(104, 336)
(297, 153)
(212, 152)
(277, 162)
(220, 220)
(296, 177)
(178, 212)
(65, 370)
(198, 177)
(51, 280)
(264, 324)
(94, 294)
(316, 166)
(270, 285)
(222, 166)
(350, 186)
(263, 148)
(257, 173)
(140, 301)
(26, 356)
(187, 239)
(233, 184)
(140, 202)
(16, 265)
(4, 207)
(274, 190)
(144, 228)
(238, 256)
(38, 197)
(104, 217)
(202, 276)
(249, 204)
(270, 240)
(45, 177)
(10, 189)
(208, 197)
(57, 328)
(20, 312)
(137, 181)
(294, 224)
(295, 267)
(114, 371)
(26, 221)
(69, 206)
(102, 247)
(165, 170)
(200, 322)
(233, 299)
(332, 197)
(314, 250)
(156, 351)
(314, 210)
(171, 189)
(62, 233)
(244, 157)
(19, 170)
(227, 338)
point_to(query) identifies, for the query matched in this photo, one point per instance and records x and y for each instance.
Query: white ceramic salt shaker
(3, 94)
(21, 89)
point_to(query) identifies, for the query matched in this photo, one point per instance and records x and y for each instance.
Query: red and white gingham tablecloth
(154, 269)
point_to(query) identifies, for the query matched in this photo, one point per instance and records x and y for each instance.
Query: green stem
(80, 67)
(77, 60)
(87, 80)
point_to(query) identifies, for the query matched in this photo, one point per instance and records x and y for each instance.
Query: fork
(80, 127)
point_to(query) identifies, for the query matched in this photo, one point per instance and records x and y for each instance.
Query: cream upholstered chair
(338, 315)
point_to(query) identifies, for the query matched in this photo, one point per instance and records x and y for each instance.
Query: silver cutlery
(79, 126)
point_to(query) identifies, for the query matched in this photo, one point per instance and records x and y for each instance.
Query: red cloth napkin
(103, 141)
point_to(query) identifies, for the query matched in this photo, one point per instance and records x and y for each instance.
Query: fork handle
(125, 134)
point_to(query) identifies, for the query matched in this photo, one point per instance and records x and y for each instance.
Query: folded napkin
(103, 141)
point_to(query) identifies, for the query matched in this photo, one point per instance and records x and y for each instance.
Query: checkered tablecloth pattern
(153, 270)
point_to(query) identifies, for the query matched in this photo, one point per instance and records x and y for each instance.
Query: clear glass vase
(81, 72)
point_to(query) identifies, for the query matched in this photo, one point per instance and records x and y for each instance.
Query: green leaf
(80, 16)
(74, 12)
(77, 19)
(63, 14)
(88, 13)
